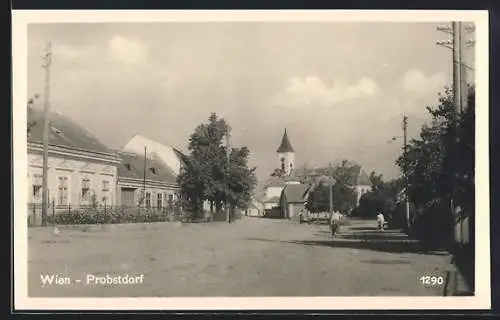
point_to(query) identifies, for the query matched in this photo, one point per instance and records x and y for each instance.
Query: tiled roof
(275, 182)
(273, 200)
(63, 131)
(132, 166)
(296, 193)
(259, 195)
(285, 145)
(357, 175)
(168, 155)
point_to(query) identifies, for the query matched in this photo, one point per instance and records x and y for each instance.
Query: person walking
(301, 216)
(380, 221)
(335, 222)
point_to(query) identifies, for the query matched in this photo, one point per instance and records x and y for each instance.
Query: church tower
(286, 155)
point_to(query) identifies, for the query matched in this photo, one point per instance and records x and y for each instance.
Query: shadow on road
(363, 228)
(383, 246)
(374, 236)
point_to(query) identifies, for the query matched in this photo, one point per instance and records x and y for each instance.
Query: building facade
(81, 170)
(293, 200)
(146, 182)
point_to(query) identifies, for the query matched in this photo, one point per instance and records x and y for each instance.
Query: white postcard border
(482, 299)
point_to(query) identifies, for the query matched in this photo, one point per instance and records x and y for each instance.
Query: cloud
(73, 53)
(127, 51)
(414, 81)
(303, 92)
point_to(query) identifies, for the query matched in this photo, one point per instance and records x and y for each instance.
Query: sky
(339, 88)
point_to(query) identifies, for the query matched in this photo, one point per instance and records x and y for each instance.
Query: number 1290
(431, 280)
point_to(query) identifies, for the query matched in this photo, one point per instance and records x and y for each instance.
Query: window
(105, 191)
(170, 201)
(159, 201)
(128, 166)
(37, 186)
(62, 196)
(153, 170)
(85, 189)
(148, 199)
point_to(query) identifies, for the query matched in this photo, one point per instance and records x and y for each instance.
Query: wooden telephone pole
(47, 58)
(457, 44)
(405, 144)
(144, 177)
(330, 183)
(228, 210)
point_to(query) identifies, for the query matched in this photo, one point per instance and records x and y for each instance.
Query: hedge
(110, 216)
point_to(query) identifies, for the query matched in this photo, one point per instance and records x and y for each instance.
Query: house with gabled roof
(170, 156)
(81, 169)
(255, 208)
(293, 200)
(148, 173)
(146, 181)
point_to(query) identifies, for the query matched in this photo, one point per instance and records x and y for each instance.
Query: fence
(83, 214)
(87, 214)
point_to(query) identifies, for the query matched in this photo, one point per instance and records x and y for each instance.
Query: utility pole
(331, 189)
(47, 59)
(407, 197)
(144, 178)
(460, 95)
(228, 212)
(458, 44)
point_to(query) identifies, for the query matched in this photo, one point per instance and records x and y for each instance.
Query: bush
(434, 225)
(109, 216)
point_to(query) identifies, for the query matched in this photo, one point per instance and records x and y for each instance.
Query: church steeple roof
(285, 145)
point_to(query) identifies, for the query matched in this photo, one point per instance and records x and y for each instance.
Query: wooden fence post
(54, 212)
(34, 214)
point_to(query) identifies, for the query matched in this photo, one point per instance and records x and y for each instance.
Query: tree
(242, 179)
(439, 160)
(376, 180)
(428, 158)
(344, 197)
(31, 123)
(318, 199)
(383, 197)
(207, 176)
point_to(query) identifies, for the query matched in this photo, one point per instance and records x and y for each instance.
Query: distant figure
(380, 221)
(335, 222)
(301, 216)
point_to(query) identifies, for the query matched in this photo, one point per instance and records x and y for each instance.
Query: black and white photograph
(262, 159)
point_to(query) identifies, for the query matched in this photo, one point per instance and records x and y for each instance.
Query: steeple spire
(285, 145)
